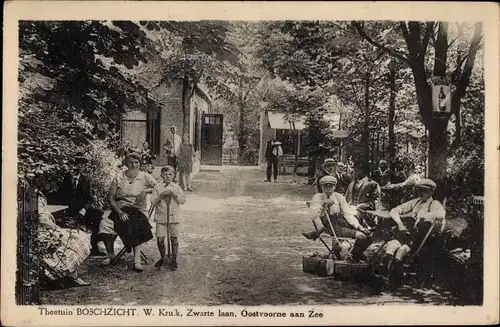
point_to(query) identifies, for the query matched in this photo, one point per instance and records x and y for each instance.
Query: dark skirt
(135, 230)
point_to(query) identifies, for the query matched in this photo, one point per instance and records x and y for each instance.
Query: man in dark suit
(273, 153)
(343, 179)
(363, 193)
(75, 192)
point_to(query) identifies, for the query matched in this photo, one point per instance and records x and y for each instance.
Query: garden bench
(288, 161)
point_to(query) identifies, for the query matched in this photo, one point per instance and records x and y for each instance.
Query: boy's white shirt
(339, 206)
(161, 205)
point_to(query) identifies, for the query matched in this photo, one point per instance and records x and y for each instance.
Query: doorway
(211, 139)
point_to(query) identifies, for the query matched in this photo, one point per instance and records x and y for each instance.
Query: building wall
(200, 104)
(170, 114)
(133, 127)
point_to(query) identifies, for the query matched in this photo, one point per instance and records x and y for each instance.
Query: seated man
(362, 194)
(343, 179)
(75, 192)
(428, 213)
(342, 220)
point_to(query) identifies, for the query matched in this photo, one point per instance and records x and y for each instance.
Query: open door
(211, 139)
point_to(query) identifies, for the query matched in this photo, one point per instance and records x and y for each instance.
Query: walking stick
(425, 238)
(330, 251)
(169, 249)
(331, 227)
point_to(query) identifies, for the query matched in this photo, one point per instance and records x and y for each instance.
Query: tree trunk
(186, 108)
(366, 126)
(243, 133)
(392, 114)
(437, 155)
(296, 162)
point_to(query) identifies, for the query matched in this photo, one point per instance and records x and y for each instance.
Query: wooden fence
(27, 273)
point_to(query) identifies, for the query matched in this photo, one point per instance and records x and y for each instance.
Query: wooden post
(27, 275)
(298, 142)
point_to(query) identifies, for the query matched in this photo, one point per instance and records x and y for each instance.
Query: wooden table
(52, 208)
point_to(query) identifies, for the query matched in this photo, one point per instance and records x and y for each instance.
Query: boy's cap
(327, 180)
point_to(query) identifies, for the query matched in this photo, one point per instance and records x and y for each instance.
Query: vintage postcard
(250, 163)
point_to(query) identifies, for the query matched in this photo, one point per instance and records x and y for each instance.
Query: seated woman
(341, 217)
(71, 247)
(428, 213)
(127, 198)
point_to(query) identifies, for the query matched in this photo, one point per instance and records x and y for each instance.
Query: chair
(144, 257)
(125, 249)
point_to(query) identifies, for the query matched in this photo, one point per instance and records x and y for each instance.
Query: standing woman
(127, 197)
(186, 154)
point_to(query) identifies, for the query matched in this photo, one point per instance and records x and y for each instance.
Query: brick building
(153, 126)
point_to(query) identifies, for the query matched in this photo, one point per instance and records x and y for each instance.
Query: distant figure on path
(185, 163)
(172, 147)
(273, 153)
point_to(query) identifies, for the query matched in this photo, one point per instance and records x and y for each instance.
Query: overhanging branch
(469, 63)
(393, 53)
(429, 27)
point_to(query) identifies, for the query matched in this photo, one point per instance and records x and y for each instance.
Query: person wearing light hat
(341, 217)
(427, 213)
(273, 153)
(327, 169)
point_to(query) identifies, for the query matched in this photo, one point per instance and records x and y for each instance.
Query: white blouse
(128, 190)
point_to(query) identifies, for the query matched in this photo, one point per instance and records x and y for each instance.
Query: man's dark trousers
(272, 165)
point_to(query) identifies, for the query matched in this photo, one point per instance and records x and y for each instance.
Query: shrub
(101, 169)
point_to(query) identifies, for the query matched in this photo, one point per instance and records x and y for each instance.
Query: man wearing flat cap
(427, 214)
(342, 219)
(75, 192)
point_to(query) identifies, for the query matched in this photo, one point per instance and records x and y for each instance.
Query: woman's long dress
(185, 164)
(71, 247)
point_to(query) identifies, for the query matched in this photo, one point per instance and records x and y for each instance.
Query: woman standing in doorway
(186, 154)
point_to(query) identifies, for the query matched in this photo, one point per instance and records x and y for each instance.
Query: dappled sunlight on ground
(240, 243)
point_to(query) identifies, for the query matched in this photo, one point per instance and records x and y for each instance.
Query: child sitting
(167, 196)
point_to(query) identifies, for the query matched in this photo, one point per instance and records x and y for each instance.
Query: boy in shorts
(164, 194)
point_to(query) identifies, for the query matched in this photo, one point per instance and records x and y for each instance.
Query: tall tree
(415, 51)
(194, 52)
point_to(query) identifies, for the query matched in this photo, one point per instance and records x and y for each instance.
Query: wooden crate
(352, 271)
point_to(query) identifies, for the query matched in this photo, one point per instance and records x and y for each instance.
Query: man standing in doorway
(273, 152)
(172, 147)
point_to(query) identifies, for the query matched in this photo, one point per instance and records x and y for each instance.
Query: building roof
(202, 91)
(278, 121)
